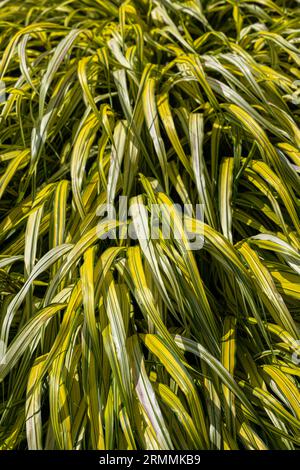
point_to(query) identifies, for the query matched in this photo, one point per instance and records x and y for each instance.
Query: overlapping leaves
(110, 342)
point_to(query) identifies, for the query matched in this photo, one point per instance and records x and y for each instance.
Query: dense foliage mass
(127, 343)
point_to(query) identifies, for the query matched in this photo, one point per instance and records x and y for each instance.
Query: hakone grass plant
(127, 343)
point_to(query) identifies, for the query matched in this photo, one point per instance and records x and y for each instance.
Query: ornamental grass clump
(149, 224)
